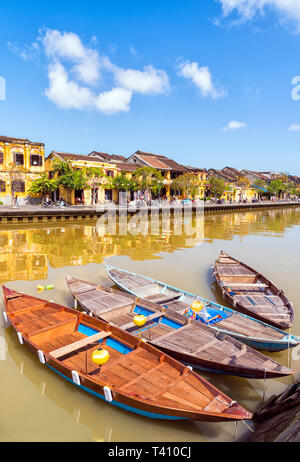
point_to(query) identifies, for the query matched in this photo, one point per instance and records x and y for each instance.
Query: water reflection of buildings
(26, 253)
(20, 258)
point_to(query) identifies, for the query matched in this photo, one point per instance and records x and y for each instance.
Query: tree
(120, 183)
(262, 187)
(279, 187)
(60, 167)
(43, 185)
(188, 184)
(73, 181)
(147, 179)
(93, 175)
(68, 177)
(217, 186)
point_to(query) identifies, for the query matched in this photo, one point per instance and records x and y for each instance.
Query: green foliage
(93, 172)
(120, 183)
(188, 184)
(260, 183)
(147, 178)
(42, 185)
(74, 180)
(243, 182)
(217, 186)
(61, 167)
(280, 186)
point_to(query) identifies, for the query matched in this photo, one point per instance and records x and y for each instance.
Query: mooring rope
(249, 428)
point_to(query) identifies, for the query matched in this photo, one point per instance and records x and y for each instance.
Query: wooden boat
(249, 330)
(252, 293)
(137, 377)
(187, 340)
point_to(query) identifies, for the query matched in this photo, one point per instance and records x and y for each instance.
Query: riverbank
(36, 213)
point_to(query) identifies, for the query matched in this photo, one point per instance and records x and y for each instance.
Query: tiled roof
(8, 139)
(222, 174)
(232, 171)
(107, 157)
(257, 174)
(195, 169)
(124, 166)
(69, 156)
(160, 161)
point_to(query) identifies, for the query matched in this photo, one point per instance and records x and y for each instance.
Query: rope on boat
(265, 373)
(249, 428)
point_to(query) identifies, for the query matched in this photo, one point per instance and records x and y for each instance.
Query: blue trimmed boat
(253, 332)
(135, 376)
(185, 339)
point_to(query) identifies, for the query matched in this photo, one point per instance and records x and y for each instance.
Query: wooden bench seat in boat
(79, 344)
(160, 298)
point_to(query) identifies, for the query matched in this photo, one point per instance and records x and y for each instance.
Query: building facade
(21, 162)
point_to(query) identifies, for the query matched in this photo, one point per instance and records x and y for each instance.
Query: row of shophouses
(22, 161)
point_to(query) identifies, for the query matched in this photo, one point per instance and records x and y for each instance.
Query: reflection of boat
(191, 342)
(242, 327)
(137, 377)
(252, 293)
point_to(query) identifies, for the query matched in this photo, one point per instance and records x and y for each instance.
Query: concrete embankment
(38, 213)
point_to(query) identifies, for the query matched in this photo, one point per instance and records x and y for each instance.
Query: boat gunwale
(191, 358)
(271, 285)
(121, 397)
(293, 338)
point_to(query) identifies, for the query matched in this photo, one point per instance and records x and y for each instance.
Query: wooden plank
(79, 344)
(149, 318)
(141, 376)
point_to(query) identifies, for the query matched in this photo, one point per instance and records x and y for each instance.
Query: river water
(37, 405)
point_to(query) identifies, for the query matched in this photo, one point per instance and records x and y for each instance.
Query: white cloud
(294, 128)
(201, 78)
(75, 74)
(68, 46)
(27, 53)
(66, 93)
(150, 81)
(234, 125)
(288, 10)
(113, 101)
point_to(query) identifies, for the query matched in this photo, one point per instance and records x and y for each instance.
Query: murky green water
(36, 405)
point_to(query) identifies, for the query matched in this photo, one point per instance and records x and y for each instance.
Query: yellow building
(21, 162)
(99, 187)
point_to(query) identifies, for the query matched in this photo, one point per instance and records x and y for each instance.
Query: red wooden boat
(137, 377)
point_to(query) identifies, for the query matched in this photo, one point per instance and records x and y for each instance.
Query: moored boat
(251, 331)
(136, 376)
(185, 339)
(251, 293)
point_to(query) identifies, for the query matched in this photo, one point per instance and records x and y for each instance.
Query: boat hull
(222, 278)
(262, 344)
(125, 407)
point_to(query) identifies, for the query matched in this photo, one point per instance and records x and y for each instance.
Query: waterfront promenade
(26, 213)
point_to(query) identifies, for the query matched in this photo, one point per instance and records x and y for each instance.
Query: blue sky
(207, 82)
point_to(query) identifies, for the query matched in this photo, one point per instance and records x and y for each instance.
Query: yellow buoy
(139, 320)
(197, 306)
(40, 288)
(100, 357)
